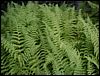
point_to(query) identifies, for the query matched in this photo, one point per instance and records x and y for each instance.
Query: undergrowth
(40, 39)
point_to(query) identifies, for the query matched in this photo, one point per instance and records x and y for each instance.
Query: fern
(41, 39)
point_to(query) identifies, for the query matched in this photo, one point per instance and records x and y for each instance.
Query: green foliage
(91, 8)
(48, 40)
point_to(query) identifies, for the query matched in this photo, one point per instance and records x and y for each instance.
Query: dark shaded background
(3, 3)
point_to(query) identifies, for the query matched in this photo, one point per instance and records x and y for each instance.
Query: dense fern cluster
(48, 40)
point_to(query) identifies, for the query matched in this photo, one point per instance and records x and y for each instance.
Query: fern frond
(92, 33)
(41, 39)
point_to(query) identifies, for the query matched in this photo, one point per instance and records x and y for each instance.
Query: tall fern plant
(48, 40)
